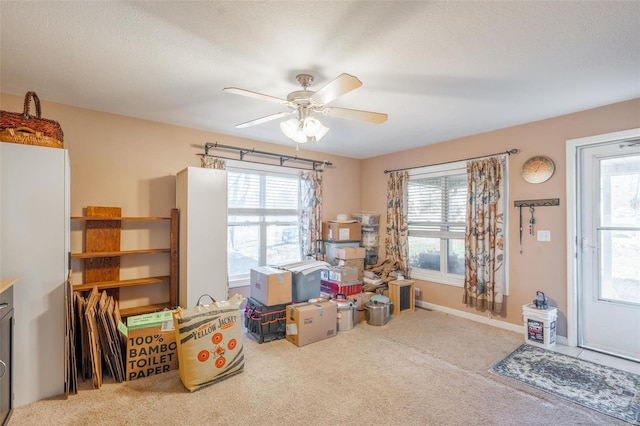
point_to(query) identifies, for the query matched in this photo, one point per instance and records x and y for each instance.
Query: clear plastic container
(367, 218)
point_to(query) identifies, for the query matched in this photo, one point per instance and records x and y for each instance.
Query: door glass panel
(619, 232)
(620, 191)
(619, 266)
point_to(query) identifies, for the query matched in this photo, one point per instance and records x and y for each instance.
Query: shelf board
(147, 309)
(119, 284)
(117, 253)
(119, 218)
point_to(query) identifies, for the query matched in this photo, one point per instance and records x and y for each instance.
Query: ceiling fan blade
(344, 83)
(255, 95)
(355, 114)
(264, 119)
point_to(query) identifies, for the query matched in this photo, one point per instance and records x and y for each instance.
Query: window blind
(437, 203)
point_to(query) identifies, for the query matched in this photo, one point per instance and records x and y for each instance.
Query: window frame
(441, 277)
(243, 280)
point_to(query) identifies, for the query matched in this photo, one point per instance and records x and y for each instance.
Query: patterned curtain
(310, 212)
(212, 163)
(484, 234)
(396, 241)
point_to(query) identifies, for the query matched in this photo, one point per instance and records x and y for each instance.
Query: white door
(609, 248)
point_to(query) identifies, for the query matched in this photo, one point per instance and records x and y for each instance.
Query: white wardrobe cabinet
(34, 248)
(201, 197)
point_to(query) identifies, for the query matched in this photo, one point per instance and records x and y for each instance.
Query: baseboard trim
(484, 320)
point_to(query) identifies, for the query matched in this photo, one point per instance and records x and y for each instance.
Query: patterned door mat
(604, 389)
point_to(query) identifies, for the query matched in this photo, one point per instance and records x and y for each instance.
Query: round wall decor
(538, 169)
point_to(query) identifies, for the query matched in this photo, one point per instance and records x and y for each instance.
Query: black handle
(208, 295)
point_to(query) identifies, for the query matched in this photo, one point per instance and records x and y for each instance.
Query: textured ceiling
(441, 70)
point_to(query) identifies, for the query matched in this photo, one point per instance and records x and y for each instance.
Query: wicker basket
(28, 129)
(26, 136)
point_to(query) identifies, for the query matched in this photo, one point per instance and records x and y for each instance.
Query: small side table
(402, 296)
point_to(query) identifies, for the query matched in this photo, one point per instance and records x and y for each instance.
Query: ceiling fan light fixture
(311, 126)
(321, 132)
(292, 129)
(308, 129)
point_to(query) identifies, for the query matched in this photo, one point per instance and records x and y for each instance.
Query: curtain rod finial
(513, 151)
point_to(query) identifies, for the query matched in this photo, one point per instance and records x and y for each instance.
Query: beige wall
(131, 163)
(542, 265)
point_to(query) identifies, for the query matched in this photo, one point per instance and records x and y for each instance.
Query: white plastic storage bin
(539, 325)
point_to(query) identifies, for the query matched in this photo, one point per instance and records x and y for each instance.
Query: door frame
(572, 232)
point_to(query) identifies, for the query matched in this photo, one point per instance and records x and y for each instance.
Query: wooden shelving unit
(102, 256)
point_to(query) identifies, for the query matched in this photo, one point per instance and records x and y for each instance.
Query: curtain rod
(509, 152)
(316, 164)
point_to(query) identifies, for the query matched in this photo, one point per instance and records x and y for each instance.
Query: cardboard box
(347, 253)
(151, 345)
(271, 286)
(331, 247)
(340, 274)
(357, 263)
(311, 322)
(337, 231)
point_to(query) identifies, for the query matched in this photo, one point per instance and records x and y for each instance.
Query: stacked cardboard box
(341, 280)
(351, 256)
(271, 286)
(331, 249)
(341, 231)
(271, 292)
(311, 322)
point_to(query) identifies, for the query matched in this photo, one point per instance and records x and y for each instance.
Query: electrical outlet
(544, 235)
(417, 291)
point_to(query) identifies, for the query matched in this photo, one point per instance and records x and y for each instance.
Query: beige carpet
(422, 368)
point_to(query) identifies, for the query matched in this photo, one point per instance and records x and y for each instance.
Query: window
(436, 214)
(262, 221)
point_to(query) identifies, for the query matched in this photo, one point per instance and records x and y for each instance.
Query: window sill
(242, 282)
(421, 274)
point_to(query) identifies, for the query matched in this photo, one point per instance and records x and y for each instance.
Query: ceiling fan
(304, 103)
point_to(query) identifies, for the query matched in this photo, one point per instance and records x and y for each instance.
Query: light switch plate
(544, 235)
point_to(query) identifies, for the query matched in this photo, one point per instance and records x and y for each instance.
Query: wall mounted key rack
(537, 203)
(532, 204)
